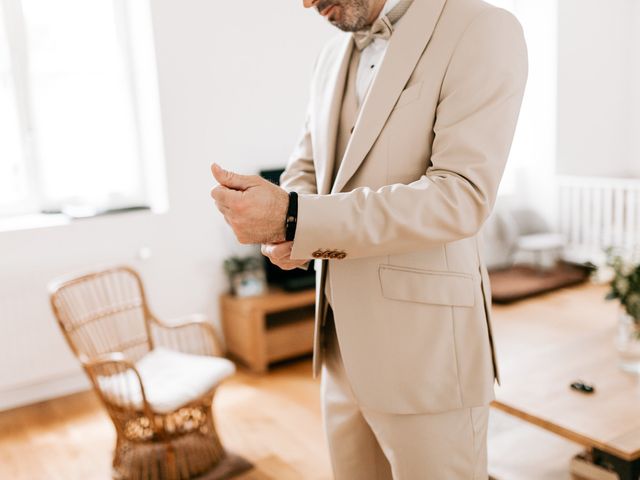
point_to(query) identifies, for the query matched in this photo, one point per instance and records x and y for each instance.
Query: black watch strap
(292, 217)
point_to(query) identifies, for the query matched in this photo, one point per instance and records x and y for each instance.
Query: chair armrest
(104, 359)
(117, 381)
(192, 334)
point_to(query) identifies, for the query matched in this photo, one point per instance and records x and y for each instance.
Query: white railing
(595, 213)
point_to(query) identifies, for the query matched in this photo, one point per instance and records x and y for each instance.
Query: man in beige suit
(408, 130)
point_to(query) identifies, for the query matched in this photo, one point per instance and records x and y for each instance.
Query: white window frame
(14, 27)
(142, 90)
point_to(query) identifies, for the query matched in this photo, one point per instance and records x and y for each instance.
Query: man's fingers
(277, 251)
(267, 249)
(282, 250)
(223, 208)
(225, 196)
(285, 263)
(289, 264)
(233, 180)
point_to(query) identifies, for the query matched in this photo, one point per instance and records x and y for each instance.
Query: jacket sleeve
(300, 173)
(476, 118)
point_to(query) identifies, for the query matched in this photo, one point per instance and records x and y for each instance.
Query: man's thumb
(232, 180)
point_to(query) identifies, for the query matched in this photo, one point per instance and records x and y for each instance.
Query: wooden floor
(274, 421)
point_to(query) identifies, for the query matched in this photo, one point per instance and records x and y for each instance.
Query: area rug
(521, 281)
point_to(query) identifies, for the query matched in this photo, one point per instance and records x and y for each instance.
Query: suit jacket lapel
(330, 115)
(405, 49)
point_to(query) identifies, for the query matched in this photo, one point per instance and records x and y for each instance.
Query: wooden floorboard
(274, 421)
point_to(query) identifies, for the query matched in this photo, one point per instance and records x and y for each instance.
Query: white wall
(533, 154)
(599, 88)
(635, 82)
(233, 85)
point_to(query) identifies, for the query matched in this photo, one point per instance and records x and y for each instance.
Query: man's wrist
(291, 219)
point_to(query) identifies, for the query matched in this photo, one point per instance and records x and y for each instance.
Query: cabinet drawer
(290, 340)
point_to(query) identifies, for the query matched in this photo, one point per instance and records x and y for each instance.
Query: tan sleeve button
(329, 254)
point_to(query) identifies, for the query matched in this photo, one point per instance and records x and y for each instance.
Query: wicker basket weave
(107, 322)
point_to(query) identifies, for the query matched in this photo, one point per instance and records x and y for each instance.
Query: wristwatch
(291, 220)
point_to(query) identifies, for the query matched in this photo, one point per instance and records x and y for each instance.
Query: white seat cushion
(171, 379)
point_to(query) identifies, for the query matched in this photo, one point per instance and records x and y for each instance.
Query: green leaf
(611, 296)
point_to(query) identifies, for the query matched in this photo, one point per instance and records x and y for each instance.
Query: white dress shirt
(371, 58)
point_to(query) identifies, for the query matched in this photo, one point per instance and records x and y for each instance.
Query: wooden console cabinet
(268, 328)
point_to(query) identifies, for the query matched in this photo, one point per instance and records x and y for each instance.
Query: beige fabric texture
(369, 445)
(417, 181)
(346, 123)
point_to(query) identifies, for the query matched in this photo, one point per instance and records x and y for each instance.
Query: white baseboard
(18, 396)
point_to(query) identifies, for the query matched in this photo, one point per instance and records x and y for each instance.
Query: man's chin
(344, 28)
(336, 18)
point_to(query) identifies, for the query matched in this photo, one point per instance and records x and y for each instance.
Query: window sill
(35, 221)
(32, 221)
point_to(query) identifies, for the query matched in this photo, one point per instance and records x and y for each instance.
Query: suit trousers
(372, 445)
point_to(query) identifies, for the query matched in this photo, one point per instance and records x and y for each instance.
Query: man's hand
(280, 255)
(254, 207)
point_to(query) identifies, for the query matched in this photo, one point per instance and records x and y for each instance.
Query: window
(79, 116)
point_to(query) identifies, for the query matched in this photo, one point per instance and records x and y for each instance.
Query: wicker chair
(157, 380)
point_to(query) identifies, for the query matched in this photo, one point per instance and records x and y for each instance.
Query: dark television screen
(297, 279)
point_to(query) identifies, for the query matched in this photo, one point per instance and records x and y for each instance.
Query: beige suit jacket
(411, 297)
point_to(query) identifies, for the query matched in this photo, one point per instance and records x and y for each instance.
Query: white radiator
(595, 213)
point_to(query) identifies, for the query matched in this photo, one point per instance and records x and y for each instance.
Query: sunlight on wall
(530, 171)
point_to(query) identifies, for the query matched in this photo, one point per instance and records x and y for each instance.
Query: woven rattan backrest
(103, 312)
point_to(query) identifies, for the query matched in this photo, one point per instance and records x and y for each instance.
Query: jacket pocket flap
(425, 286)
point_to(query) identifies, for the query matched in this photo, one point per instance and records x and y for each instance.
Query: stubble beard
(354, 14)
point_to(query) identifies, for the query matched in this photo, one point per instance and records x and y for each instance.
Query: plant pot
(249, 283)
(628, 342)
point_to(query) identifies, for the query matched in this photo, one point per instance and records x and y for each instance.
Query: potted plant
(625, 287)
(246, 275)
